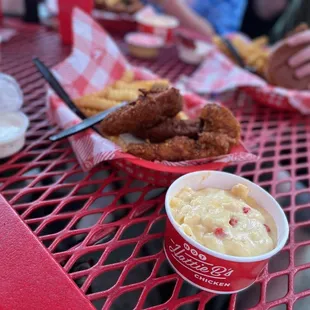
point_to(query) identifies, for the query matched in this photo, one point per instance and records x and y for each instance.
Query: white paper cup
(204, 268)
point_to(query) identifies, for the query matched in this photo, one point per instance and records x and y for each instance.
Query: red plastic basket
(158, 177)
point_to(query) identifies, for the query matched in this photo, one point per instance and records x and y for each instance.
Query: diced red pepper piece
(219, 232)
(233, 221)
(267, 228)
(246, 210)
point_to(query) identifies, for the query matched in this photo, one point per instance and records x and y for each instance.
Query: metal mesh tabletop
(106, 229)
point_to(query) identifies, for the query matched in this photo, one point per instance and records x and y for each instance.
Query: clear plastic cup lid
(11, 96)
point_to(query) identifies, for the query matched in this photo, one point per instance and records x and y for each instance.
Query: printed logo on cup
(206, 271)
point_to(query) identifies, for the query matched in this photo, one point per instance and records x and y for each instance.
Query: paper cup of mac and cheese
(217, 238)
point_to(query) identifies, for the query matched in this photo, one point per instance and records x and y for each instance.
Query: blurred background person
(276, 19)
(225, 16)
(207, 17)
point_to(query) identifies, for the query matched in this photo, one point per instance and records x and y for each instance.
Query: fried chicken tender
(150, 109)
(183, 148)
(220, 120)
(170, 128)
(214, 118)
(216, 144)
(217, 134)
(175, 149)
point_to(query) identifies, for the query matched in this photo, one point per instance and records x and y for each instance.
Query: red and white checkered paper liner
(95, 62)
(217, 74)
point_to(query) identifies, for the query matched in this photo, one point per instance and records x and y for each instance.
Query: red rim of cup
(225, 181)
(144, 40)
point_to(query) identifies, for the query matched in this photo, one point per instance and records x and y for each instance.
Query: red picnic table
(75, 240)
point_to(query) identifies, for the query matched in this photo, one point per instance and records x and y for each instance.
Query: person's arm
(187, 17)
(300, 62)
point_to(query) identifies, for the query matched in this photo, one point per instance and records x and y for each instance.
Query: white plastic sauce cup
(13, 126)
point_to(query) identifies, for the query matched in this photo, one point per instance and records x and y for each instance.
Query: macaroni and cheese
(228, 222)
